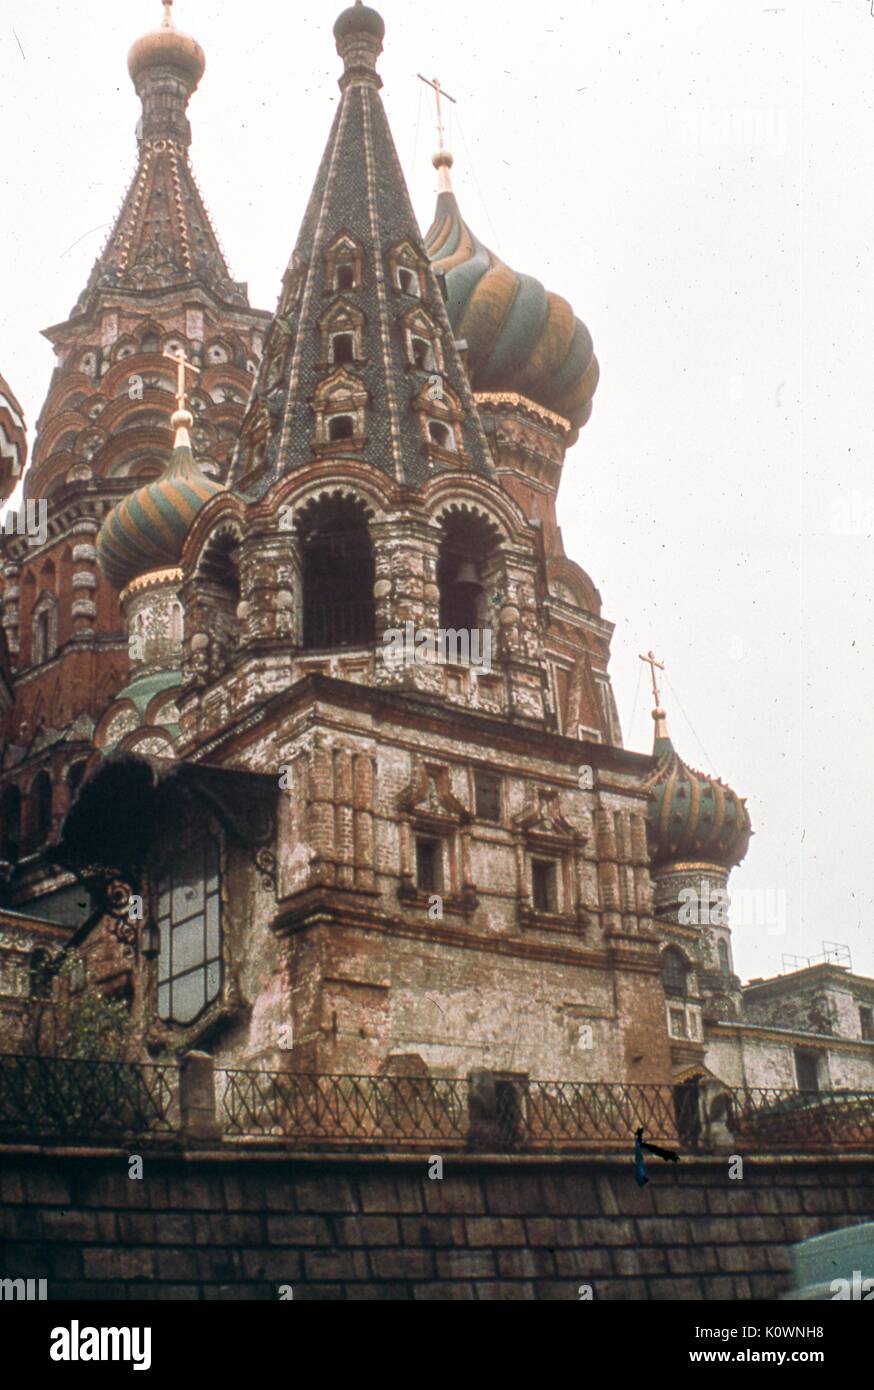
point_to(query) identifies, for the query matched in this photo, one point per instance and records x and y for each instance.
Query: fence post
(484, 1121)
(197, 1098)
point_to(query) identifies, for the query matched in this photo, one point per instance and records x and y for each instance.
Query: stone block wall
(242, 1226)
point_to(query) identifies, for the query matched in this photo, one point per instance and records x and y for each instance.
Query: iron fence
(89, 1101)
(83, 1099)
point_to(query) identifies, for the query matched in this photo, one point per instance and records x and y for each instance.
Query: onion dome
(147, 530)
(13, 441)
(167, 47)
(690, 815)
(359, 19)
(520, 338)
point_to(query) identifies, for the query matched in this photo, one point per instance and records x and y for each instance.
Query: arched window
(341, 427)
(423, 355)
(219, 575)
(338, 575)
(724, 963)
(41, 800)
(408, 281)
(343, 349)
(10, 811)
(344, 277)
(467, 544)
(441, 435)
(675, 972)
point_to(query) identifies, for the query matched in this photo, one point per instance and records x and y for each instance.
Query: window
(544, 885)
(678, 1023)
(40, 973)
(724, 964)
(189, 920)
(408, 282)
(423, 355)
(344, 278)
(866, 1022)
(429, 865)
(341, 427)
(343, 349)
(441, 435)
(674, 971)
(488, 796)
(807, 1070)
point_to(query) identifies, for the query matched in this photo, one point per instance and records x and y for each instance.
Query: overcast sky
(696, 178)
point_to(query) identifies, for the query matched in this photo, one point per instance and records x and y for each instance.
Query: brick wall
(240, 1227)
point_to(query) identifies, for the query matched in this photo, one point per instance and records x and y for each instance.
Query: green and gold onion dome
(146, 531)
(520, 338)
(690, 816)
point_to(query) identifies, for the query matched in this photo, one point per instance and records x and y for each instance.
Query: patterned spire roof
(163, 235)
(359, 204)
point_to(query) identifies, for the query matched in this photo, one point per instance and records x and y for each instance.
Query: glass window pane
(164, 954)
(213, 981)
(188, 946)
(188, 884)
(188, 997)
(212, 927)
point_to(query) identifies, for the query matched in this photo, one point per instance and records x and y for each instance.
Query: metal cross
(182, 366)
(168, 14)
(654, 666)
(440, 93)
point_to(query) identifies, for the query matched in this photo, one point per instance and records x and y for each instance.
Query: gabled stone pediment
(429, 796)
(543, 816)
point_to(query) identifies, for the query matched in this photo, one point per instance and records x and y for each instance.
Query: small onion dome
(147, 530)
(519, 337)
(167, 47)
(359, 19)
(691, 815)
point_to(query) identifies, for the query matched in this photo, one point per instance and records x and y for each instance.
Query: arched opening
(675, 972)
(724, 963)
(344, 277)
(467, 544)
(408, 282)
(41, 637)
(343, 349)
(441, 435)
(423, 354)
(10, 815)
(338, 575)
(41, 801)
(341, 427)
(219, 576)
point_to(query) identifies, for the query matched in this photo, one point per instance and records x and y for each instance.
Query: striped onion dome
(147, 530)
(690, 815)
(520, 337)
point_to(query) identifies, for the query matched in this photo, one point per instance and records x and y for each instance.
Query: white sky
(696, 177)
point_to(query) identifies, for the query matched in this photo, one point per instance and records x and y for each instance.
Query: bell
(467, 573)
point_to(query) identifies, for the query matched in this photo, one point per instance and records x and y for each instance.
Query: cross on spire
(182, 366)
(168, 14)
(434, 84)
(650, 661)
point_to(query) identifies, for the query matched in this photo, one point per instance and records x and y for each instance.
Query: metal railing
(328, 625)
(79, 1100)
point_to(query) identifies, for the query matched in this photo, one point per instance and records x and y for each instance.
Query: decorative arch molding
(451, 493)
(223, 514)
(564, 571)
(298, 489)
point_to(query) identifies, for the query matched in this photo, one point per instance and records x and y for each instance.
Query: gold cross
(182, 366)
(168, 14)
(654, 666)
(440, 93)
